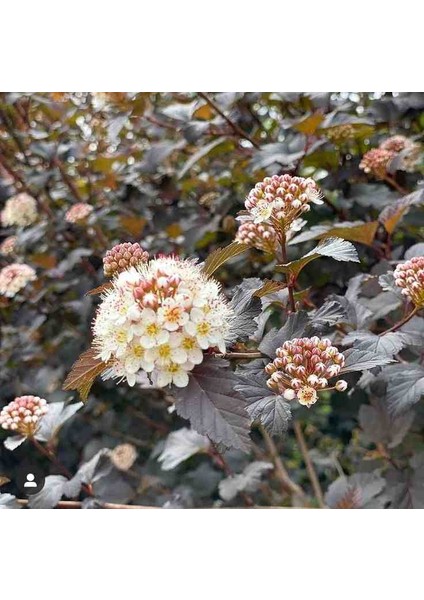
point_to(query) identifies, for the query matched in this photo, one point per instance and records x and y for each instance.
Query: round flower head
(159, 317)
(302, 368)
(376, 161)
(410, 277)
(281, 199)
(23, 414)
(14, 277)
(396, 143)
(123, 456)
(8, 245)
(408, 150)
(263, 236)
(123, 256)
(19, 210)
(340, 133)
(78, 213)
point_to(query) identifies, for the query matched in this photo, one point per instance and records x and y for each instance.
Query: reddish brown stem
(405, 319)
(309, 464)
(238, 130)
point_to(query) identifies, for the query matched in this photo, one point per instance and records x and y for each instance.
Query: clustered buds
(14, 277)
(281, 199)
(8, 245)
(376, 161)
(23, 414)
(123, 256)
(410, 277)
(263, 236)
(303, 367)
(79, 212)
(258, 235)
(397, 143)
(19, 210)
(340, 133)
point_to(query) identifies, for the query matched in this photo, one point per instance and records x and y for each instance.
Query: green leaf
(336, 248)
(221, 255)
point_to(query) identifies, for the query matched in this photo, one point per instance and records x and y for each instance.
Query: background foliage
(172, 171)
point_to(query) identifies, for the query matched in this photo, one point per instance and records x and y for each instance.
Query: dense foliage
(298, 383)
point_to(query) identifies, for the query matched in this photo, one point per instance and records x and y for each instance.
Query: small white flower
(262, 211)
(174, 373)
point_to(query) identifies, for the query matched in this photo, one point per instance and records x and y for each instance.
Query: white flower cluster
(19, 210)
(14, 277)
(159, 317)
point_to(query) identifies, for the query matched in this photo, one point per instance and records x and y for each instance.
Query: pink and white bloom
(23, 414)
(20, 210)
(14, 278)
(302, 368)
(157, 318)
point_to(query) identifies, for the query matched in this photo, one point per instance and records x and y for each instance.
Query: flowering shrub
(238, 302)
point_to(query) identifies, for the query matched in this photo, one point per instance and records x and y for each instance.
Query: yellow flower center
(189, 343)
(203, 328)
(121, 337)
(152, 329)
(164, 351)
(138, 351)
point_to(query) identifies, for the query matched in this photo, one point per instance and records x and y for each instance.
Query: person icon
(30, 482)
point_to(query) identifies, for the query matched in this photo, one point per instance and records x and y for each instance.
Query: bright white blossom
(281, 199)
(159, 317)
(19, 210)
(15, 277)
(78, 213)
(23, 414)
(302, 369)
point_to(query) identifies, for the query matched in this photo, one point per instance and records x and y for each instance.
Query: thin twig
(78, 504)
(240, 355)
(68, 180)
(309, 465)
(392, 181)
(282, 237)
(238, 130)
(287, 484)
(401, 322)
